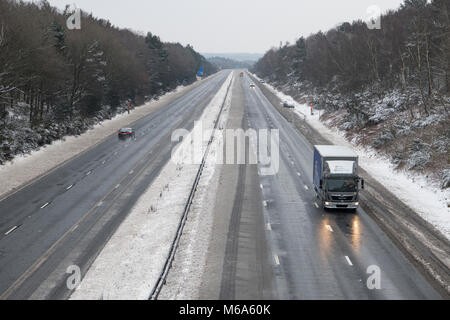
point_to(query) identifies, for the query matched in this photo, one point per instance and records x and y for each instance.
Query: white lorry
(335, 177)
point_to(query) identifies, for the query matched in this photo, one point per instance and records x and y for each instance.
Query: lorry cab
(335, 176)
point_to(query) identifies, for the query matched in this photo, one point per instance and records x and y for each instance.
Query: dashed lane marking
(11, 230)
(277, 260)
(329, 228)
(349, 261)
(45, 205)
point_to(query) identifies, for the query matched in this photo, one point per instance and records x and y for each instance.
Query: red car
(126, 132)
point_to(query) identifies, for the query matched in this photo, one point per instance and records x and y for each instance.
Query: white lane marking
(261, 186)
(306, 187)
(329, 228)
(11, 230)
(100, 204)
(316, 205)
(348, 260)
(89, 173)
(292, 162)
(269, 227)
(131, 172)
(69, 187)
(265, 203)
(298, 173)
(46, 204)
(277, 260)
(117, 186)
(104, 161)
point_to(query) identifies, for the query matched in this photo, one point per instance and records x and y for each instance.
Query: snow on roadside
(419, 193)
(130, 263)
(185, 277)
(25, 168)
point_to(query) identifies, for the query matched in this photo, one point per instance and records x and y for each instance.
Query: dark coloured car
(126, 133)
(288, 104)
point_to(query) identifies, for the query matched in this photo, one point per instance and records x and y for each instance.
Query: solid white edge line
(45, 205)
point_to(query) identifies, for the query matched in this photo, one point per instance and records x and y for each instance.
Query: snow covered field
(419, 193)
(130, 264)
(25, 168)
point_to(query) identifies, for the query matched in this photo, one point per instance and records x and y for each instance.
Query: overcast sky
(225, 26)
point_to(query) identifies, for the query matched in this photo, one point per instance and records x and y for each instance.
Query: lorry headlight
(356, 203)
(327, 203)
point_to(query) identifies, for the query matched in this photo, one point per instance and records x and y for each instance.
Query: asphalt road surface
(271, 239)
(66, 217)
(317, 254)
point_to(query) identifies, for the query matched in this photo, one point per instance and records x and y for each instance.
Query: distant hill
(225, 63)
(243, 57)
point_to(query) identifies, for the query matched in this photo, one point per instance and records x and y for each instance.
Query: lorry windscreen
(342, 185)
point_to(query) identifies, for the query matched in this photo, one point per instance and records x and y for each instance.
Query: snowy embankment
(130, 263)
(25, 168)
(421, 194)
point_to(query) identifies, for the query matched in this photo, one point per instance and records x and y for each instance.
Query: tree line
(411, 50)
(61, 74)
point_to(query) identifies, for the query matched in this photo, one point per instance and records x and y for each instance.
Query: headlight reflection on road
(355, 232)
(325, 235)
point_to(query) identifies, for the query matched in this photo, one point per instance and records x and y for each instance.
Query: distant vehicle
(335, 177)
(288, 104)
(126, 133)
(252, 85)
(262, 81)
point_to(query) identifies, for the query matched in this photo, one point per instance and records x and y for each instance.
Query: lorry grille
(342, 198)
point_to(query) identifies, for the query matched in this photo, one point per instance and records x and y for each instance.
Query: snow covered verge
(130, 263)
(421, 193)
(25, 168)
(184, 280)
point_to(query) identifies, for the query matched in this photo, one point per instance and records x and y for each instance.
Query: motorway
(66, 217)
(304, 252)
(270, 239)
